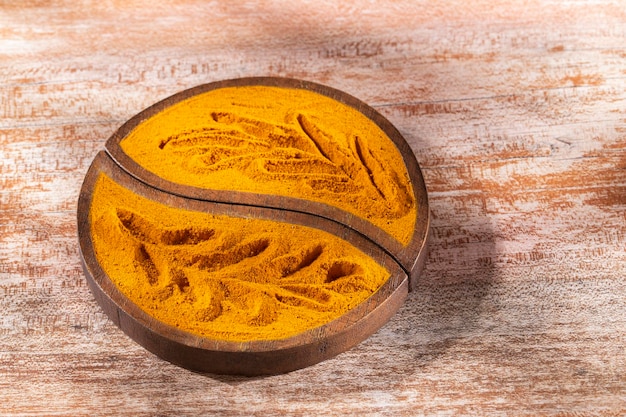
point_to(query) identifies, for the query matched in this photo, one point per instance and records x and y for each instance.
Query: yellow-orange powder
(281, 141)
(223, 277)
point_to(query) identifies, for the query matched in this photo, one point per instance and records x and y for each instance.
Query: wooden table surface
(516, 114)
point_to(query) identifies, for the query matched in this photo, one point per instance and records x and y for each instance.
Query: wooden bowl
(257, 357)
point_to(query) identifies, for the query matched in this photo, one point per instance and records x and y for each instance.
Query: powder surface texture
(280, 141)
(223, 277)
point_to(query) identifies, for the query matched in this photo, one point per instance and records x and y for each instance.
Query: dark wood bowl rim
(103, 164)
(405, 255)
(257, 357)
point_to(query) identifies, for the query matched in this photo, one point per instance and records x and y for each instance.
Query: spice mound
(280, 141)
(224, 277)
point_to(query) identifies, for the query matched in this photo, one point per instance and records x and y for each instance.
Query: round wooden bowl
(258, 357)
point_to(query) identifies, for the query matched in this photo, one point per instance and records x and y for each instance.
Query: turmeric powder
(280, 141)
(223, 277)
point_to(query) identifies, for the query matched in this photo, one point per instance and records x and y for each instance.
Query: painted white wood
(516, 113)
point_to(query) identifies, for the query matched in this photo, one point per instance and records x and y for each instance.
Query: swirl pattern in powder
(280, 141)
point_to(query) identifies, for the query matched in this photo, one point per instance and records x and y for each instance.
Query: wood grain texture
(516, 113)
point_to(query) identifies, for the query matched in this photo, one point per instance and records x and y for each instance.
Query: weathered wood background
(516, 112)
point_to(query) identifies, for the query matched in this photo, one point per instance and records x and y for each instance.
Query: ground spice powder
(281, 141)
(223, 277)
